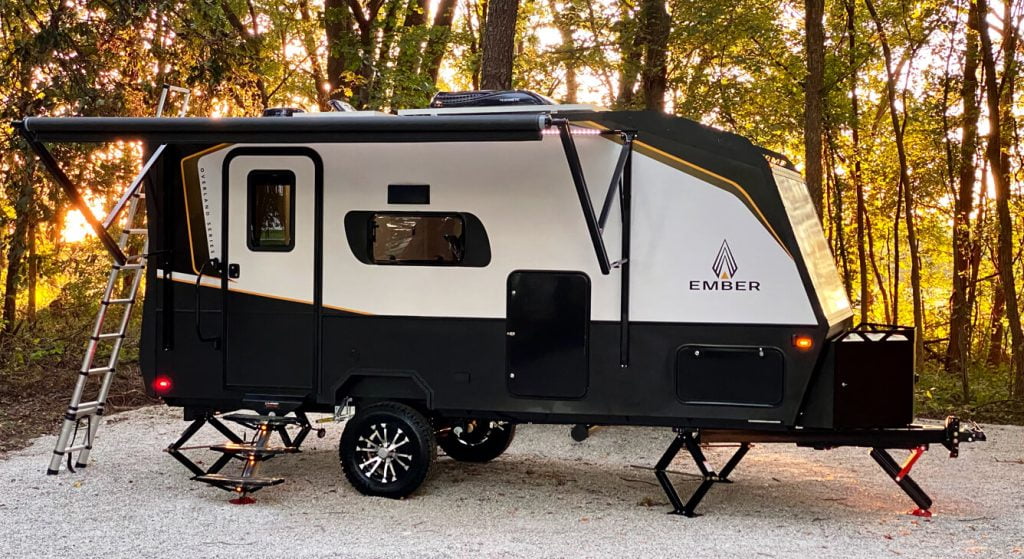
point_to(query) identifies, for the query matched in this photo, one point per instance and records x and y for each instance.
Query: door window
(271, 214)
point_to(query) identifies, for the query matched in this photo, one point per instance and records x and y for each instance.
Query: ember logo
(724, 267)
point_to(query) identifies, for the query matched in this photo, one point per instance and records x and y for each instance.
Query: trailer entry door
(270, 310)
(547, 333)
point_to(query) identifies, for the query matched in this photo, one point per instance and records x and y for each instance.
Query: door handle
(215, 340)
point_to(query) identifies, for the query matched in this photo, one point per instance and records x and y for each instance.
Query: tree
(655, 27)
(814, 13)
(498, 42)
(960, 314)
(904, 182)
(997, 153)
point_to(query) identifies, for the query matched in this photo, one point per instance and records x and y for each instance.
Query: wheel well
(407, 388)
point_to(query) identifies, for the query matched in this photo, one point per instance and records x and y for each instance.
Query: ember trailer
(453, 272)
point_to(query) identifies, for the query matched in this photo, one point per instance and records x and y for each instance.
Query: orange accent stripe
(184, 190)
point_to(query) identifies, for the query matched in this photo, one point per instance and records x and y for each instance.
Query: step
(125, 301)
(136, 230)
(239, 482)
(83, 409)
(235, 448)
(128, 267)
(96, 371)
(109, 336)
(252, 420)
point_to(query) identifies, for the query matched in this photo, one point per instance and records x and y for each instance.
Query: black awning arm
(572, 157)
(616, 182)
(61, 178)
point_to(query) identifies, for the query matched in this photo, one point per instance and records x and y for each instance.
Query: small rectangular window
(271, 216)
(430, 239)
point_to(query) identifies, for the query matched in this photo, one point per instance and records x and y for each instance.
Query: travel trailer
(451, 272)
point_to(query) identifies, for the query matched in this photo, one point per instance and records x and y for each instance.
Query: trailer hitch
(956, 432)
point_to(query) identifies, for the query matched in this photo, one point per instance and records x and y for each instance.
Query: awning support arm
(616, 183)
(133, 187)
(576, 169)
(71, 190)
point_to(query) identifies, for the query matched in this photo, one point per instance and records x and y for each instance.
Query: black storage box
(874, 377)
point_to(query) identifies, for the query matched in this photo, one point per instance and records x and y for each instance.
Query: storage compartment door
(730, 375)
(547, 332)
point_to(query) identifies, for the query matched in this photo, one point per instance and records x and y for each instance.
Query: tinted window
(437, 239)
(271, 217)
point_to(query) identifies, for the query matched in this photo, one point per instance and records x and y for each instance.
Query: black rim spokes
(383, 452)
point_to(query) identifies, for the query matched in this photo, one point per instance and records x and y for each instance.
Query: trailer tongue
(451, 272)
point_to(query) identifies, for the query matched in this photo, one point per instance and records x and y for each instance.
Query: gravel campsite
(546, 497)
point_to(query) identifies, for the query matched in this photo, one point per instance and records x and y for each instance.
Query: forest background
(904, 116)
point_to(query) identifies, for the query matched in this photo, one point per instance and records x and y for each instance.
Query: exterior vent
(281, 111)
(451, 99)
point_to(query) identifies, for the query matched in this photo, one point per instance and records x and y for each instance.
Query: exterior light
(162, 385)
(803, 343)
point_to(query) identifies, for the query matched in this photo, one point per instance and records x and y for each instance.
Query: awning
(482, 128)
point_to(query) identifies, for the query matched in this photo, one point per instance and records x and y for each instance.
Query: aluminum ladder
(119, 298)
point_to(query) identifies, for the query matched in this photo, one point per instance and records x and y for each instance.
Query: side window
(425, 239)
(271, 211)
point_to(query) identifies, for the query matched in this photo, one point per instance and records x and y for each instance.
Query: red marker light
(162, 385)
(803, 342)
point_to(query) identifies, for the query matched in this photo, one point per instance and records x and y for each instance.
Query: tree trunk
(632, 59)
(908, 198)
(498, 40)
(960, 313)
(33, 271)
(858, 184)
(814, 44)
(566, 20)
(655, 26)
(337, 31)
(874, 267)
(997, 152)
(16, 252)
(995, 339)
(440, 34)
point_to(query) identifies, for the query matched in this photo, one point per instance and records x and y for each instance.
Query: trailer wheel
(386, 450)
(475, 440)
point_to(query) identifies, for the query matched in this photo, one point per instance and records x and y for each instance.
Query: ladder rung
(133, 266)
(97, 371)
(77, 447)
(119, 301)
(109, 336)
(84, 409)
(136, 230)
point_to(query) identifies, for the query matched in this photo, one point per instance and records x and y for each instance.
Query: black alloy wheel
(386, 450)
(475, 440)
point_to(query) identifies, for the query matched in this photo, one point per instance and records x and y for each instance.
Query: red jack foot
(250, 500)
(923, 513)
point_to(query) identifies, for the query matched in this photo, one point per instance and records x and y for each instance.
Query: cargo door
(548, 334)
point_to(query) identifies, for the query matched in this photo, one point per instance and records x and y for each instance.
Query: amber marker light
(162, 385)
(803, 343)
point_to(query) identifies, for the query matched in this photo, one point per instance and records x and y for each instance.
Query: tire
(476, 440)
(386, 450)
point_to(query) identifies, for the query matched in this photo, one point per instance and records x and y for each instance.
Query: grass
(939, 394)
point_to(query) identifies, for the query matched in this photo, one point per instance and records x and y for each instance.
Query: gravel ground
(546, 497)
